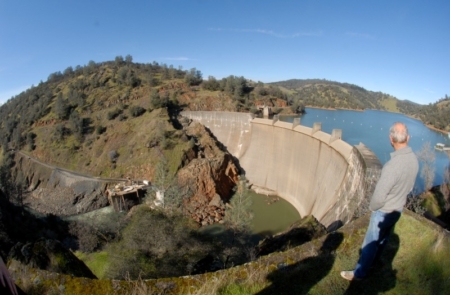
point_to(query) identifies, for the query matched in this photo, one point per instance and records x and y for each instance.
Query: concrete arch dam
(318, 173)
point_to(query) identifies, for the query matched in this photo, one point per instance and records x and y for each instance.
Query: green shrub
(100, 129)
(169, 247)
(113, 114)
(136, 111)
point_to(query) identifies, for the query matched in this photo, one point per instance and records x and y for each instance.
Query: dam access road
(318, 173)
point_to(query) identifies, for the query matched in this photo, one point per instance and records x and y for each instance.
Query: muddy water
(271, 214)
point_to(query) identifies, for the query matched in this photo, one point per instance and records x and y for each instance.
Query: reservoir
(369, 127)
(372, 128)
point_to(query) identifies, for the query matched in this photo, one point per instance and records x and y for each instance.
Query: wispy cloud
(179, 58)
(270, 32)
(359, 35)
(429, 91)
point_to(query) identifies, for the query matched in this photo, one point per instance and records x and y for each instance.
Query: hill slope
(329, 94)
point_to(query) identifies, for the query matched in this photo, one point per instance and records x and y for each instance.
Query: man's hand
(5, 279)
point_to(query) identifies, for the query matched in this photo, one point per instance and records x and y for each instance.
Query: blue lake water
(372, 128)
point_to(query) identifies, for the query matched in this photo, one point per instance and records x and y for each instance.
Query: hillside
(329, 94)
(116, 119)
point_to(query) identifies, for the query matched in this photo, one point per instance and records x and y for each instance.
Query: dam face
(318, 173)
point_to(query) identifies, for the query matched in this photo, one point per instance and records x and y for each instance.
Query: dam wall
(231, 129)
(318, 173)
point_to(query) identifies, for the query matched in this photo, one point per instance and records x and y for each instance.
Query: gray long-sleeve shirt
(396, 181)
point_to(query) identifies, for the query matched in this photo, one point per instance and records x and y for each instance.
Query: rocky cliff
(211, 177)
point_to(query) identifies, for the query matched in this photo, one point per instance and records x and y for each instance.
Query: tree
(193, 77)
(128, 59)
(19, 187)
(76, 123)
(240, 85)
(239, 216)
(164, 72)
(151, 79)
(60, 132)
(30, 140)
(112, 156)
(169, 247)
(68, 71)
(111, 115)
(118, 60)
(158, 100)
(136, 111)
(61, 107)
(164, 184)
(445, 189)
(427, 157)
(211, 84)
(6, 184)
(172, 72)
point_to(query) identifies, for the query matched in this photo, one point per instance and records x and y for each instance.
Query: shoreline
(437, 129)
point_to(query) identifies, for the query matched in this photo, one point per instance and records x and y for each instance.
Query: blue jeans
(380, 227)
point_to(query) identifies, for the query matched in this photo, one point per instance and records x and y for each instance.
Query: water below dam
(271, 214)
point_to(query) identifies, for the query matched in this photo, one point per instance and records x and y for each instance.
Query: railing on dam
(318, 173)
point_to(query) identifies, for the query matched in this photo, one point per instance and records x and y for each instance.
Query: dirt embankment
(51, 190)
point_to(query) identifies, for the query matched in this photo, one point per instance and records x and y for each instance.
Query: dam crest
(318, 173)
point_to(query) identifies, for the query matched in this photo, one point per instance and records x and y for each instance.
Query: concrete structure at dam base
(318, 173)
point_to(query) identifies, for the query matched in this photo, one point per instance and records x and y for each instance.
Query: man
(396, 182)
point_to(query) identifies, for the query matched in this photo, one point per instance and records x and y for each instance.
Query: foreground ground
(416, 261)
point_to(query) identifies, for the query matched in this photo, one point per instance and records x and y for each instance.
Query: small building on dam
(318, 173)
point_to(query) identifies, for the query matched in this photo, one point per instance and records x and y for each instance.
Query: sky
(401, 48)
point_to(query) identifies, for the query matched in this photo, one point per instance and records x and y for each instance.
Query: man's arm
(387, 180)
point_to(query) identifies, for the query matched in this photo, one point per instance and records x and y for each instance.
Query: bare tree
(239, 216)
(427, 157)
(445, 188)
(165, 191)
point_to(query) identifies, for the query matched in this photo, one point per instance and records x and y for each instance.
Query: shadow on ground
(300, 277)
(382, 277)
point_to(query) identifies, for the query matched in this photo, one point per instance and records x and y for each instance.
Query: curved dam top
(318, 173)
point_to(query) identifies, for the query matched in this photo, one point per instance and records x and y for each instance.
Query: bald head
(399, 135)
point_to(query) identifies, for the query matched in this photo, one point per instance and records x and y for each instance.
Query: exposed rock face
(49, 255)
(211, 177)
(57, 191)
